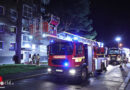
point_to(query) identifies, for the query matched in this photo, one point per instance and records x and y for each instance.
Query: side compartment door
(86, 53)
(90, 57)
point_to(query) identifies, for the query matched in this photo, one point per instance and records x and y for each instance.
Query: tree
(18, 32)
(74, 16)
(45, 2)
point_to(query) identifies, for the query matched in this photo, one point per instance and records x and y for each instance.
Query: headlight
(118, 59)
(72, 71)
(49, 69)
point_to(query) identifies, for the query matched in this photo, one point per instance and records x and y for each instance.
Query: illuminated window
(1, 10)
(12, 46)
(33, 46)
(13, 29)
(1, 45)
(27, 11)
(43, 48)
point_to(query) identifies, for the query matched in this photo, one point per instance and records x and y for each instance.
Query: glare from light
(69, 39)
(52, 41)
(75, 38)
(102, 44)
(44, 35)
(27, 45)
(33, 46)
(66, 64)
(118, 39)
(30, 37)
(49, 69)
(120, 45)
(72, 71)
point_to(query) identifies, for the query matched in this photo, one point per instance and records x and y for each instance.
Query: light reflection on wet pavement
(110, 80)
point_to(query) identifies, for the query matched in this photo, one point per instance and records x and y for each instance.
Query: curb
(29, 76)
(125, 83)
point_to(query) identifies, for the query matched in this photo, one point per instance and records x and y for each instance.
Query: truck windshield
(114, 51)
(61, 48)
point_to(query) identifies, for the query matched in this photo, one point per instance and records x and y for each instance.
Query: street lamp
(120, 45)
(118, 39)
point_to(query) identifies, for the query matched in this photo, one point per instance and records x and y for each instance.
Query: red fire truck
(75, 56)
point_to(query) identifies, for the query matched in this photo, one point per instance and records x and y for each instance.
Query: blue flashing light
(75, 38)
(66, 64)
(52, 41)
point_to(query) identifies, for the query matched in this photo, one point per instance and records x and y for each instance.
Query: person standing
(38, 59)
(15, 59)
(34, 58)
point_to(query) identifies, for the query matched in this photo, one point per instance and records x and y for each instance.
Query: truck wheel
(83, 76)
(104, 68)
(115, 63)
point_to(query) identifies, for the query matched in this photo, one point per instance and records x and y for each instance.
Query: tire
(84, 75)
(115, 63)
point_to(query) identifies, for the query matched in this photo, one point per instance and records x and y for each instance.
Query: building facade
(29, 43)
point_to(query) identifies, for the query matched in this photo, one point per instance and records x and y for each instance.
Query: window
(13, 14)
(1, 10)
(13, 29)
(61, 48)
(12, 46)
(79, 49)
(1, 28)
(43, 48)
(27, 11)
(1, 45)
(26, 38)
(43, 10)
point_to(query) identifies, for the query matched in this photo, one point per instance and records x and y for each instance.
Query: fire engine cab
(72, 55)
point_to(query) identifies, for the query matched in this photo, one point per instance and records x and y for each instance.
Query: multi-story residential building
(29, 45)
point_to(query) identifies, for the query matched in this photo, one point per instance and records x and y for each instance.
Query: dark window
(26, 38)
(13, 14)
(79, 49)
(61, 48)
(1, 28)
(1, 10)
(12, 46)
(1, 44)
(27, 11)
(21, 56)
(29, 55)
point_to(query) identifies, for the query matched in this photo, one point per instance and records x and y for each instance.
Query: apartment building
(29, 44)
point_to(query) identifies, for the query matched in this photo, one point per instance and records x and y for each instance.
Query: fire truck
(115, 56)
(75, 56)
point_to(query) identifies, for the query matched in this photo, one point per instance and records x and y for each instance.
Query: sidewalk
(127, 69)
(29, 74)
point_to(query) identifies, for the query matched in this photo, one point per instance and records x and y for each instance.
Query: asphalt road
(110, 80)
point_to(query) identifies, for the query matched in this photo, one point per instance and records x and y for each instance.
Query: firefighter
(34, 58)
(38, 59)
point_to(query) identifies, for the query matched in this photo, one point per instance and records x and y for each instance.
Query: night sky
(111, 18)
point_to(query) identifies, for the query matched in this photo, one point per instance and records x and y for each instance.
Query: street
(110, 80)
